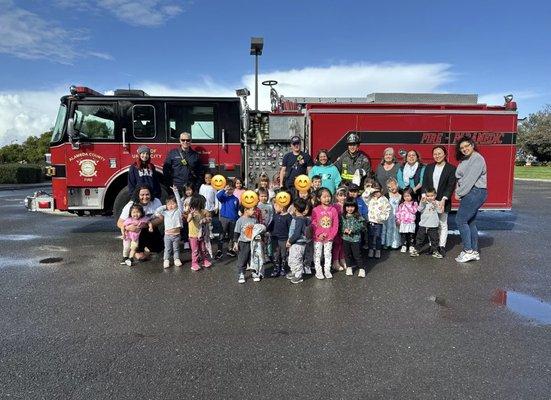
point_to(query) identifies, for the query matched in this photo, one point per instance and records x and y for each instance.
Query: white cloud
(103, 56)
(25, 113)
(27, 35)
(142, 12)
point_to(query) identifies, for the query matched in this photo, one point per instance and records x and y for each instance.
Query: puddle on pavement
(524, 305)
(51, 260)
(52, 248)
(17, 238)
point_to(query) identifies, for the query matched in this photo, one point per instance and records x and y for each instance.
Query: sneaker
(195, 268)
(413, 252)
(282, 272)
(466, 256)
(218, 255)
(207, 265)
(307, 270)
(411, 249)
(477, 255)
(319, 275)
(256, 277)
(370, 253)
(437, 254)
(349, 271)
(442, 251)
(166, 264)
(123, 262)
(128, 262)
(275, 272)
(177, 262)
(361, 273)
(403, 249)
(328, 274)
(231, 253)
(377, 253)
(241, 278)
(295, 279)
(290, 275)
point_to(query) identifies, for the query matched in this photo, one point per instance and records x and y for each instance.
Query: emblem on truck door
(88, 168)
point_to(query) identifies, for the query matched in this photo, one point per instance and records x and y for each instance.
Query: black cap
(353, 187)
(295, 139)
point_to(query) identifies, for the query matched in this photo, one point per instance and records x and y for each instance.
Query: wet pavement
(74, 324)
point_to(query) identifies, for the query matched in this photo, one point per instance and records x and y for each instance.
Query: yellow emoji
(249, 199)
(302, 183)
(218, 182)
(283, 199)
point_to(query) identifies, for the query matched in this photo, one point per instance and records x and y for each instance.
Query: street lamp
(257, 43)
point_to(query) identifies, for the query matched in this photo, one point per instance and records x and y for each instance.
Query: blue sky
(314, 48)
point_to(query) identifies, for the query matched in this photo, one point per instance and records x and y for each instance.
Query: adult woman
(330, 175)
(152, 240)
(440, 175)
(143, 172)
(411, 173)
(471, 191)
(387, 168)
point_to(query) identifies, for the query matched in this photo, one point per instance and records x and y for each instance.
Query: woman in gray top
(387, 168)
(471, 191)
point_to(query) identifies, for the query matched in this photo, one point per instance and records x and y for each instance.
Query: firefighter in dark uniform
(353, 160)
(182, 166)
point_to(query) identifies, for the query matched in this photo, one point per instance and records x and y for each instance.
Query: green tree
(32, 150)
(534, 134)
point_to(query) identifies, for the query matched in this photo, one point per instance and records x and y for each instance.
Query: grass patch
(533, 172)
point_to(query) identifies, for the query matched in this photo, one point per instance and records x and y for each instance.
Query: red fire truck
(96, 136)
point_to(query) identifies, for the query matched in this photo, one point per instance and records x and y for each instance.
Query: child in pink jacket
(405, 218)
(325, 225)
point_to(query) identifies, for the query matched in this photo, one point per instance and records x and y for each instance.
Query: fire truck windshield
(57, 133)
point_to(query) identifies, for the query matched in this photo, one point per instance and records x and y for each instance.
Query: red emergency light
(83, 90)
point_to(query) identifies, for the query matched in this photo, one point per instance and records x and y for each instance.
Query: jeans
(466, 217)
(375, 233)
(172, 246)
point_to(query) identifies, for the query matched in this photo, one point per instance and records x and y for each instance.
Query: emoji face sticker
(283, 199)
(249, 199)
(218, 182)
(302, 183)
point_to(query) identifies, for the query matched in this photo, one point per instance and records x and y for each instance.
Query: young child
(405, 218)
(264, 182)
(316, 184)
(199, 236)
(242, 240)
(325, 226)
(130, 238)
(368, 189)
(239, 189)
(171, 214)
(391, 233)
(354, 192)
(211, 205)
(298, 239)
(186, 198)
(339, 262)
(379, 211)
(351, 228)
(279, 233)
(229, 214)
(428, 224)
(267, 212)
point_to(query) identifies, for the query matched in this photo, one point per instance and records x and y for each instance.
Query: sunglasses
(296, 144)
(185, 140)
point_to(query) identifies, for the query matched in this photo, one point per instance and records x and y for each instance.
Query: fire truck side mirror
(72, 133)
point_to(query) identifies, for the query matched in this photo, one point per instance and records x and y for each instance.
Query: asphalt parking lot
(85, 327)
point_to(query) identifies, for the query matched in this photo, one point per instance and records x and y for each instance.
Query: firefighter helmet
(353, 138)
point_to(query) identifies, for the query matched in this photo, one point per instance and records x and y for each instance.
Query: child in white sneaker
(429, 223)
(379, 211)
(138, 220)
(171, 215)
(405, 218)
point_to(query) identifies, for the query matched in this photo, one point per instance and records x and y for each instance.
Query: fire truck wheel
(120, 201)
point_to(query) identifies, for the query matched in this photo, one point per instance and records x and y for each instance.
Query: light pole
(257, 43)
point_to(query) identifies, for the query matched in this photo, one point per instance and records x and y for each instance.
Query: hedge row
(21, 173)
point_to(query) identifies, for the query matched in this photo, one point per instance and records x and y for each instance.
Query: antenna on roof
(128, 85)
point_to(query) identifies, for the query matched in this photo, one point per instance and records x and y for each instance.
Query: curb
(25, 186)
(533, 180)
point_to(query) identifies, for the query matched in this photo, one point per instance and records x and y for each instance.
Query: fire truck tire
(120, 201)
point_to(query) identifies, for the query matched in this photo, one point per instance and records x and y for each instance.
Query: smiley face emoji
(218, 182)
(249, 199)
(302, 183)
(283, 199)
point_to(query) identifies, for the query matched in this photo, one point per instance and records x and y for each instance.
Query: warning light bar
(83, 90)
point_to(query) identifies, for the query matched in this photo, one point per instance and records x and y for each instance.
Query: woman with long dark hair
(471, 191)
(440, 175)
(411, 173)
(143, 172)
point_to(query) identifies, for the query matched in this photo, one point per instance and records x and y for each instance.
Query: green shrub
(20, 173)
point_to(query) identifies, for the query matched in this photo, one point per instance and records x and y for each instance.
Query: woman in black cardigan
(441, 176)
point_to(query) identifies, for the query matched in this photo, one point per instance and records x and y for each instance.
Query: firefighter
(294, 163)
(182, 166)
(353, 162)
